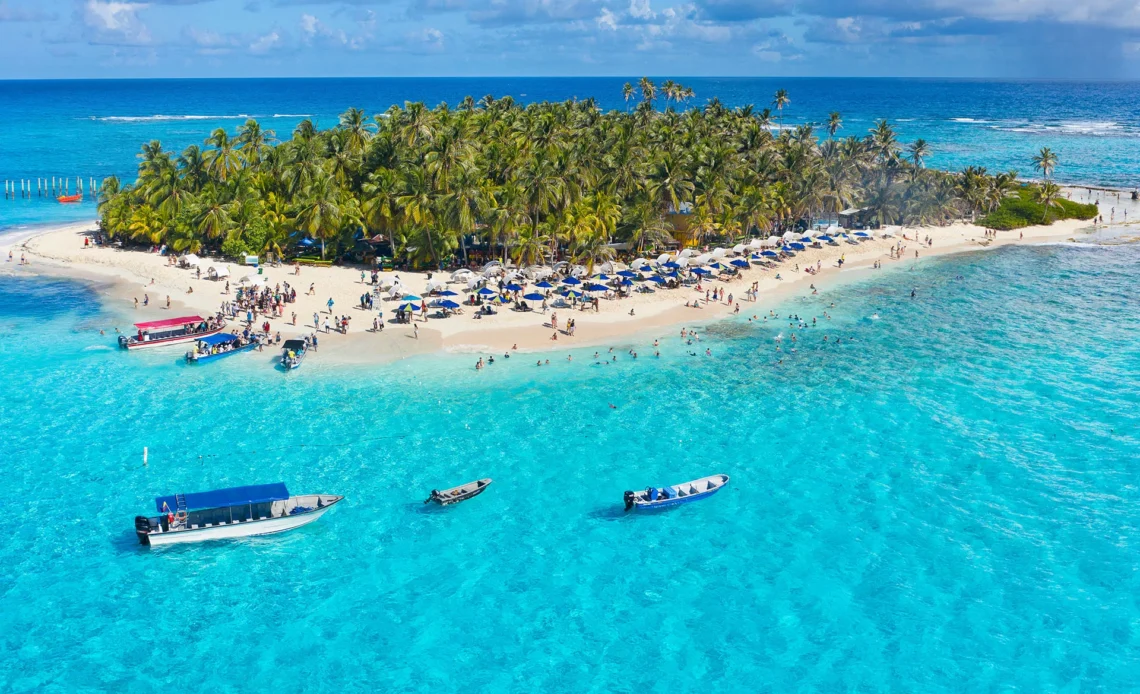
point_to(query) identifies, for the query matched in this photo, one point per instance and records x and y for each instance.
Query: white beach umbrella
(638, 263)
(738, 248)
(433, 286)
(755, 243)
(683, 262)
(719, 252)
(703, 259)
(686, 253)
(663, 258)
(773, 241)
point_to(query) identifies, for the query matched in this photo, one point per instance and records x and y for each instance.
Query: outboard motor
(142, 529)
(629, 497)
(123, 341)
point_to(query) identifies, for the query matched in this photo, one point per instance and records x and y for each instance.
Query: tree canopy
(536, 181)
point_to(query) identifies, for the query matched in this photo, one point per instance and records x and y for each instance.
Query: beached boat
(78, 197)
(293, 353)
(218, 346)
(261, 509)
(456, 494)
(170, 331)
(657, 498)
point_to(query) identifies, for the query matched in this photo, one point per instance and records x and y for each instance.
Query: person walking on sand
(136, 302)
(415, 331)
(330, 303)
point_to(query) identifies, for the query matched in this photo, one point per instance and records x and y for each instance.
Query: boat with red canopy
(78, 197)
(171, 331)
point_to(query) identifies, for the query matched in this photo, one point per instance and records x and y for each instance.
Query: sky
(281, 38)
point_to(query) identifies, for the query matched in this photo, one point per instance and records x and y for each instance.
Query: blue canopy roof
(571, 280)
(655, 278)
(534, 296)
(826, 238)
(513, 288)
(486, 292)
(234, 496)
(700, 271)
(796, 246)
(627, 273)
(448, 303)
(217, 339)
(769, 254)
(448, 292)
(544, 285)
(740, 263)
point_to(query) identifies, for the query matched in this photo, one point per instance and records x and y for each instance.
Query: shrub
(1023, 210)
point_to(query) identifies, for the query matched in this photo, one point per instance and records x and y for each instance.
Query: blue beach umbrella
(500, 301)
(305, 242)
(671, 265)
(513, 288)
(861, 234)
(826, 238)
(627, 273)
(544, 285)
(655, 279)
(806, 239)
(626, 282)
(412, 297)
(770, 254)
(740, 263)
(448, 303)
(603, 277)
(596, 288)
(700, 271)
(409, 307)
(533, 296)
(486, 292)
(448, 292)
(571, 292)
(572, 281)
(797, 246)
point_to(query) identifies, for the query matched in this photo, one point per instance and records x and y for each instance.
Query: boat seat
(711, 485)
(681, 493)
(693, 490)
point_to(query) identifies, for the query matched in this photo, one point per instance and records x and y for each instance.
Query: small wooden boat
(293, 353)
(78, 197)
(261, 509)
(215, 347)
(657, 498)
(456, 494)
(171, 331)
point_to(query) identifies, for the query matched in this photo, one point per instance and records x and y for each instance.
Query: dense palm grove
(532, 182)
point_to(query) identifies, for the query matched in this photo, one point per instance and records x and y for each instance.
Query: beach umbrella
(486, 292)
(409, 307)
(544, 285)
(770, 254)
(663, 258)
(448, 303)
(572, 281)
(700, 271)
(603, 277)
(596, 288)
(305, 242)
(797, 246)
(656, 279)
(500, 300)
(861, 234)
(571, 292)
(740, 263)
(412, 297)
(533, 296)
(513, 288)
(627, 273)
(671, 265)
(626, 282)
(826, 238)
(806, 239)
(448, 292)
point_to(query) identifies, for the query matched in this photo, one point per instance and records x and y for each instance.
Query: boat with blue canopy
(293, 353)
(260, 509)
(658, 498)
(220, 345)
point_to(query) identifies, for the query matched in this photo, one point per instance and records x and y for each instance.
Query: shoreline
(120, 276)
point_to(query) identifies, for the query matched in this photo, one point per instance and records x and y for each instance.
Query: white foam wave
(163, 117)
(1074, 128)
(969, 120)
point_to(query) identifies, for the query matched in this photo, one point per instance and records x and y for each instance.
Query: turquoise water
(944, 500)
(94, 128)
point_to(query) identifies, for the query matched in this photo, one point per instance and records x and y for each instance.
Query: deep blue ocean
(94, 128)
(940, 497)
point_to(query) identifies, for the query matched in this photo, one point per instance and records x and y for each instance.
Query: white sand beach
(124, 275)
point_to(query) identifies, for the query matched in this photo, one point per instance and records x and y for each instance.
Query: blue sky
(206, 38)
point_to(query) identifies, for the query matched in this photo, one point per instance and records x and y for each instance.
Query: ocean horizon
(90, 129)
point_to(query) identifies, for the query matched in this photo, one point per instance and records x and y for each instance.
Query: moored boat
(221, 345)
(78, 197)
(293, 353)
(171, 331)
(456, 494)
(656, 498)
(261, 509)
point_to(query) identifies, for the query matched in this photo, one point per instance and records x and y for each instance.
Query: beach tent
(218, 271)
(686, 253)
(433, 286)
(606, 267)
(396, 291)
(492, 265)
(638, 262)
(772, 241)
(663, 258)
(251, 280)
(755, 243)
(191, 260)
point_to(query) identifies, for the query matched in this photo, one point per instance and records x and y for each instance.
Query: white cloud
(264, 44)
(314, 28)
(116, 22)
(426, 39)
(639, 9)
(607, 20)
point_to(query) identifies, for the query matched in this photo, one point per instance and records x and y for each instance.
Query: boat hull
(661, 505)
(207, 358)
(131, 344)
(229, 531)
(639, 501)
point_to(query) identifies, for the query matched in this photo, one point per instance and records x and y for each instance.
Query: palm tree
(1048, 194)
(834, 123)
(780, 100)
(918, 150)
(318, 213)
(648, 90)
(1045, 162)
(627, 94)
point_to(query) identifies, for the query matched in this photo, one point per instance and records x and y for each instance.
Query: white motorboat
(261, 509)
